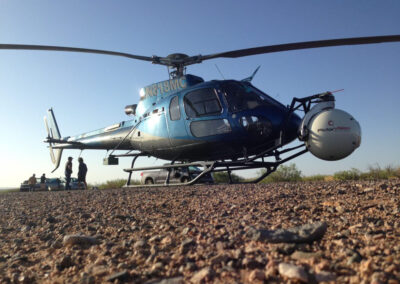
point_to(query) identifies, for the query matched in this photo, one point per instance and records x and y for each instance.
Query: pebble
(201, 275)
(298, 255)
(368, 189)
(256, 274)
(80, 240)
(301, 234)
(292, 271)
(65, 262)
(123, 275)
(325, 276)
(174, 280)
(139, 244)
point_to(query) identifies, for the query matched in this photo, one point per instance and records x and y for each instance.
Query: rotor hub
(177, 57)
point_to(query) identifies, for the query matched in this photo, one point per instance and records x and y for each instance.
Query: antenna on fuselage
(216, 66)
(248, 79)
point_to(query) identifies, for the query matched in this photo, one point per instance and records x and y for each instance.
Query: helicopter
(219, 125)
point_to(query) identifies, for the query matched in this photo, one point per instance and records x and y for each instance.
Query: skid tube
(221, 166)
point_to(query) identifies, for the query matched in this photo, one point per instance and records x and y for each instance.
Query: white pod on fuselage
(333, 134)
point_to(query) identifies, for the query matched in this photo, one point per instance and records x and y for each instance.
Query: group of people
(82, 171)
(32, 182)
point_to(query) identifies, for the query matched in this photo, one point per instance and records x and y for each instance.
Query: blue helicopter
(220, 125)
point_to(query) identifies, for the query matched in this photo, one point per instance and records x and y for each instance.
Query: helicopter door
(176, 124)
(204, 113)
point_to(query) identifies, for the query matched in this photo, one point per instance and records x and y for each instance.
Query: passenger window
(202, 102)
(174, 109)
(203, 128)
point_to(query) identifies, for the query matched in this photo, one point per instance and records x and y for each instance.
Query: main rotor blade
(301, 45)
(73, 49)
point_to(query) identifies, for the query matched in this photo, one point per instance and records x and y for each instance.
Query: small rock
(251, 263)
(325, 276)
(166, 241)
(383, 186)
(201, 275)
(355, 257)
(139, 244)
(186, 244)
(51, 219)
(256, 275)
(56, 244)
(65, 262)
(123, 275)
(87, 279)
(155, 238)
(340, 209)
(292, 271)
(368, 189)
(174, 280)
(25, 229)
(185, 231)
(156, 267)
(298, 255)
(302, 234)
(79, 240)
(300, 207)
(99, 270)
(286, 249)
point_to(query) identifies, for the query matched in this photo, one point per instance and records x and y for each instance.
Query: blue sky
(88, 91)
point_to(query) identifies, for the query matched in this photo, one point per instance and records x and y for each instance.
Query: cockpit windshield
(242, 96)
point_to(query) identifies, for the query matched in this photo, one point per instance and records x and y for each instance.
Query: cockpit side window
(202, 102)
(174, 109)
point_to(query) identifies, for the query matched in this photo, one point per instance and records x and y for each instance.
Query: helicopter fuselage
(192, 120)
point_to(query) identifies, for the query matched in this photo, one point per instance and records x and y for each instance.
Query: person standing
(43, 182)
(82, 172)
(68, 173)
(32, 182)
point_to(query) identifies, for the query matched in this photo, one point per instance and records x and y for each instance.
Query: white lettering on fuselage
(164, 87)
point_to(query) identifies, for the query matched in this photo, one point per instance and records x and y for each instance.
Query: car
(54, 184)
(74, 183)
(50, 184)
(178, 175)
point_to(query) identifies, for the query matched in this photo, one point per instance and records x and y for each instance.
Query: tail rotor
(53, 134)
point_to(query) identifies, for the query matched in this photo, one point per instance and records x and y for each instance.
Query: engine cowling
(332, 134)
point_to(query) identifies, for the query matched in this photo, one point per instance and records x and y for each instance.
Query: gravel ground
(203, 234)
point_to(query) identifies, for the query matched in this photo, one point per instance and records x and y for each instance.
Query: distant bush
(316, 178)
(376, 172)
(284, 173)
(223, 177)
(116, 183)
(353, 174)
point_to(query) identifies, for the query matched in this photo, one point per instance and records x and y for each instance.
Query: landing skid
(254, 162)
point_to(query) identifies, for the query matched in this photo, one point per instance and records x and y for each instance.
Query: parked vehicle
(178, 175)
(54, 184)
(74, 184)
(50, 184)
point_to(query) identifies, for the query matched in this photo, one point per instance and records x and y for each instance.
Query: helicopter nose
(292, 126)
